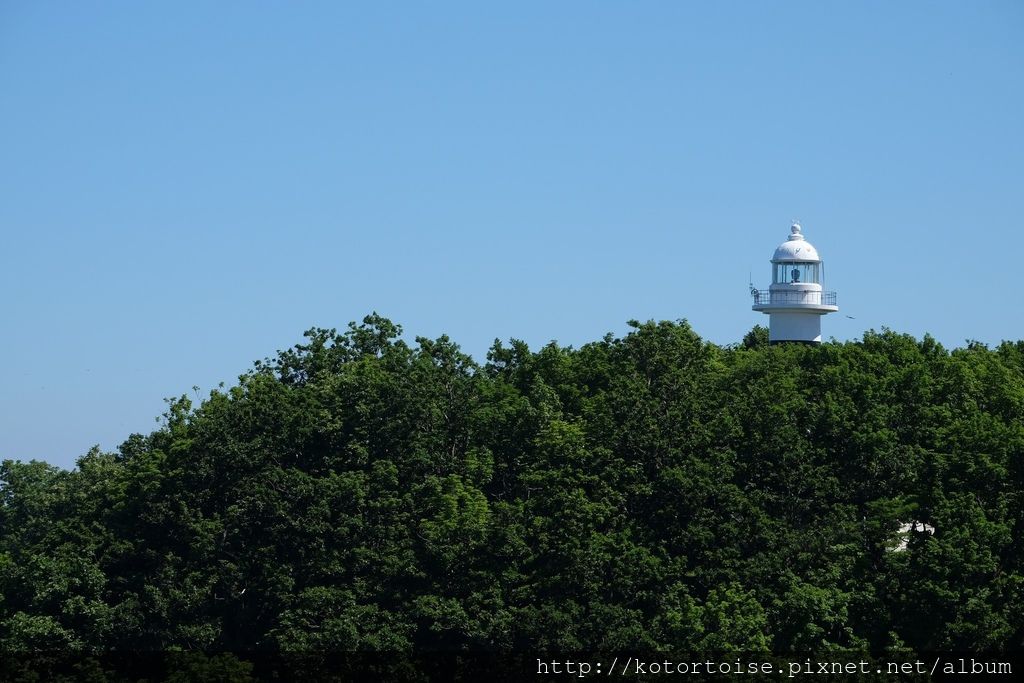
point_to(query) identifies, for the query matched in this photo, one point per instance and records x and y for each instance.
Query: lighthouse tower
(795, 301)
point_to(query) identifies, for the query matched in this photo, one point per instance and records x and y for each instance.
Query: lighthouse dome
(796, 248)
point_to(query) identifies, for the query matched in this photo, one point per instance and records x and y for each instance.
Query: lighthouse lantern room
(795, 301)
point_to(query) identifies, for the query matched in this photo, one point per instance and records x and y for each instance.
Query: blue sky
(188, 186)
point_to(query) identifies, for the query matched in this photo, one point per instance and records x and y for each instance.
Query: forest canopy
(649, 492)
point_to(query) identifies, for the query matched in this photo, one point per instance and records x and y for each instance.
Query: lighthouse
(795, 301)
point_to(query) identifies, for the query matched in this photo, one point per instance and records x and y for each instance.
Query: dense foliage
(653, 491)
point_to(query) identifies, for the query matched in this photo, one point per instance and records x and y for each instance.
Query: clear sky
(188, 186)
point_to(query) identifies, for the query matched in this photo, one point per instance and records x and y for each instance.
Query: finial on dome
(795, 228)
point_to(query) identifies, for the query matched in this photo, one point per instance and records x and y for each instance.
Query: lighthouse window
(793, 272)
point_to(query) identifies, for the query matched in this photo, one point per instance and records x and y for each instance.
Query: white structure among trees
(795, 300)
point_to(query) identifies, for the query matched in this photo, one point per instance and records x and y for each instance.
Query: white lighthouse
(795, 300)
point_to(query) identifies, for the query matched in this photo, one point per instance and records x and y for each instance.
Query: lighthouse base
(794, 327)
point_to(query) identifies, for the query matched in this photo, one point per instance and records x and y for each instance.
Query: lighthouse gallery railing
(767, 296)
